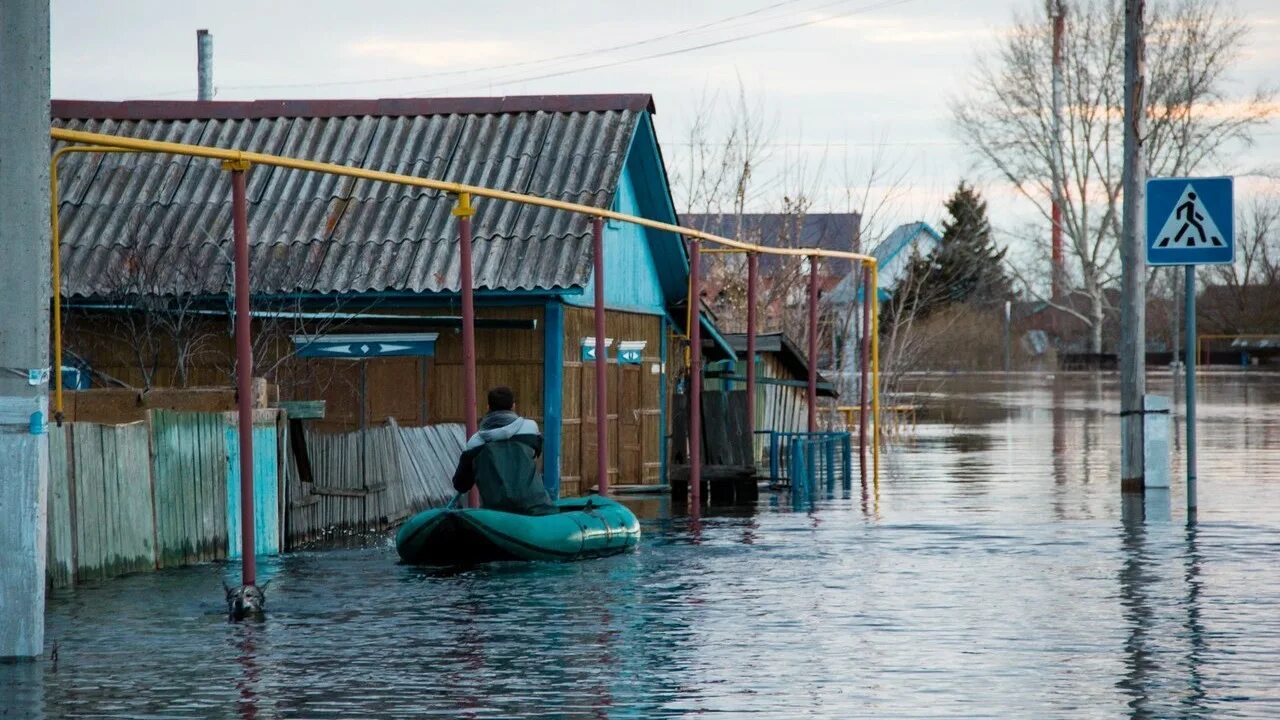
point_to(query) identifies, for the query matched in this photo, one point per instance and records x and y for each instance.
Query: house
(893, 256)
(355, 283)
(783, 289)
(844, 302)
(782, 384)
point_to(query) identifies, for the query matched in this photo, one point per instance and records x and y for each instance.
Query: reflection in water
(1042, 595)
(1140, 663)
(1197, 649)
(250, 675)
(22, 689)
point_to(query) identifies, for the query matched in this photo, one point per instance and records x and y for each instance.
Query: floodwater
(994, 572)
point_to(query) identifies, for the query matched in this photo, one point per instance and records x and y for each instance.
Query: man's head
(501, 398)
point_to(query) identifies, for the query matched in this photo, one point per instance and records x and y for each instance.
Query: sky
(841, 86)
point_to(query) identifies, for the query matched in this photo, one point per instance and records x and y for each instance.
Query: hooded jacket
(500, 460)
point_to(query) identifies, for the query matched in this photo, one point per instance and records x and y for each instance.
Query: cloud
(434, 54)
(906, 30)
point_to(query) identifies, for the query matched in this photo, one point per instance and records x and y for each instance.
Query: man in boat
(499, 459)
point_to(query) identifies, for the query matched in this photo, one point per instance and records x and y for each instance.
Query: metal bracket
(235, 165)
(463, 208)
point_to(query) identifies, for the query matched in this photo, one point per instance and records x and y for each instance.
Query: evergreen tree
(967, 264)
(965, 267)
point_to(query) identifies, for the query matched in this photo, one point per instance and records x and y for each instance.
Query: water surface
(994, 571)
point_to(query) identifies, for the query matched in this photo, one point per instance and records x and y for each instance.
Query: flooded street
(992, 573)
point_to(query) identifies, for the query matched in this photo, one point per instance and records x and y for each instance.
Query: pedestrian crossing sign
(1190, 221)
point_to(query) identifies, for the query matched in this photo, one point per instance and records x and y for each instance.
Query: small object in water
(246, 601)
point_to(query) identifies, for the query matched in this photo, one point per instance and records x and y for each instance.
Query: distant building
(893, 255)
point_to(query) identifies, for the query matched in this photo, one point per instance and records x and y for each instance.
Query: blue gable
(645, 270)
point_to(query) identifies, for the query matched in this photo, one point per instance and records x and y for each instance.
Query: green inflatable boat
(585, 527)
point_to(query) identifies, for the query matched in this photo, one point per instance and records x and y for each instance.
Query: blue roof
(891, 247)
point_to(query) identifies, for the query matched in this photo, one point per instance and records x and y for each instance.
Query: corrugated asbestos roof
(164, 222)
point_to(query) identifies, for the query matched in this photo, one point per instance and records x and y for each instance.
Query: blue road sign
(1190, 221)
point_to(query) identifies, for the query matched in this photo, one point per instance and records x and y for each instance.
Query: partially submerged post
(753, 270)
(813, 344)
(864, 367)
(602, 361)
(463, 211)
(695, 376)
(1133, 272)
(24, 323)
(244, 368)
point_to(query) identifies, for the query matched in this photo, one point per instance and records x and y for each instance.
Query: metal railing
(807, 462)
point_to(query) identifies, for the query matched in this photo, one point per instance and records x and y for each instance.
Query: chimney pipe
(204, 65)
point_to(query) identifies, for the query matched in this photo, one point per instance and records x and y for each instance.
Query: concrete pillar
(24, 321)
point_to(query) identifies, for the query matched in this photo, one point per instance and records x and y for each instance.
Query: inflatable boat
(585, 527)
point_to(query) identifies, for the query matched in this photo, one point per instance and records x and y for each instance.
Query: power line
(678, 51)
(522, 63)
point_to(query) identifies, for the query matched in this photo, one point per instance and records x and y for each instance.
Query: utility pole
(204, 65)
(24, 323)
(1133, 381)
(1057, 14)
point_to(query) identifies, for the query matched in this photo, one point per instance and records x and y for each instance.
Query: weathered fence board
(369, 480)
(61, 550)
(114, 530)
(266, 486)
(190, 475)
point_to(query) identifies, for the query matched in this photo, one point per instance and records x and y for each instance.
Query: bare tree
(150, 308)
(1251, 285)
(1006, 119)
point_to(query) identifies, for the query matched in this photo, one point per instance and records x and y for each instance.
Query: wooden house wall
(634, 404)
(414, 391)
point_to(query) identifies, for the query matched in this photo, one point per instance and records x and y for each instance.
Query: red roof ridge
(253, 109)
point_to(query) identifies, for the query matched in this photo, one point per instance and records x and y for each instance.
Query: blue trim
(652, 189)
(552, 395)
(585, 302)
(662, 399)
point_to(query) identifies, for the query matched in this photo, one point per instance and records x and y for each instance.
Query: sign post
(1190, 221)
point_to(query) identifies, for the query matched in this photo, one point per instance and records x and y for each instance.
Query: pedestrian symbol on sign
(1190, 221)
(1190, 225)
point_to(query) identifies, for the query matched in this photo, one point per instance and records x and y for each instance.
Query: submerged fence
(164, 492)
(369, 480)
(147, 495)
(811, 463)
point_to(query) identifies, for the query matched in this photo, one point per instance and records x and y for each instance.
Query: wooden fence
(369, 480)
(149, 494)
(165, 491)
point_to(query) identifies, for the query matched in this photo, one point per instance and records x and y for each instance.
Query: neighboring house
(844, 303)
(346, 262)
(829, 231)
(782, 384)
(893, 256)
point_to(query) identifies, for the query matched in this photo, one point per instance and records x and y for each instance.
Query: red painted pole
(864, 374)
(813, 344)
(753, 269)
(602, 362)
(695, 377)
(244, 373)
(463, 211)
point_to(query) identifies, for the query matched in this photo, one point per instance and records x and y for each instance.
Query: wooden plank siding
(634, 403)
(190, 466)
(113, 529)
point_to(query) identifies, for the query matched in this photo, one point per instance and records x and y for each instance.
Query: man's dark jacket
(499, 459)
